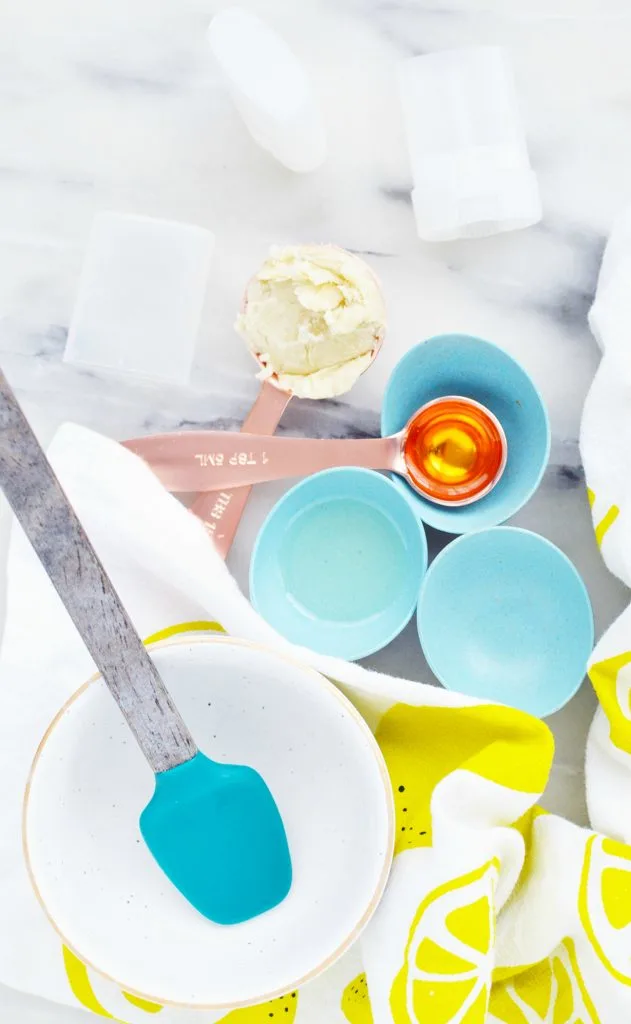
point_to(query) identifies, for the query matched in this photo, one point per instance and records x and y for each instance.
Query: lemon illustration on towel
(448, 960)
(356, 1001)
(611, 679)
(423, 745)
(276, 1011)
(551, 992)
(605, 904)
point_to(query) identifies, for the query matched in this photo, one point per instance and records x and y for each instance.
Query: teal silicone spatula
(193, 824)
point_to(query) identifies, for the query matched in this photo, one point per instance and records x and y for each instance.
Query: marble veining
(115, 104)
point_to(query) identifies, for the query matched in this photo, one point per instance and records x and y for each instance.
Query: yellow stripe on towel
(606, 523)
(199, 626)
(143, 1004)
(79, 981)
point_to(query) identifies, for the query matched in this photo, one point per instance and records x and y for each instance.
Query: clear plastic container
(270, 89)
(140, 297)
(470, 164)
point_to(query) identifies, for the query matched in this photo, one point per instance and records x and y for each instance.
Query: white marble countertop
(115, 104)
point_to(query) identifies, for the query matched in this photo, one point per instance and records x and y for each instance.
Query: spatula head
(217, 834)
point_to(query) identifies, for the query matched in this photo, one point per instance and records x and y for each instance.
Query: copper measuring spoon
(449, 465)
(221, 509)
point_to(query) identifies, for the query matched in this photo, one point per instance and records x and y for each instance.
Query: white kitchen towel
(495, 911)
(606, 453)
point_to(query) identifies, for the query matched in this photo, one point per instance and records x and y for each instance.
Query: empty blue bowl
(458, 364)
(503, 615)
(338, 563)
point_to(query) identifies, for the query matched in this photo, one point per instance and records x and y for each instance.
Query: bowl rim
(183, 640)
(398, 497)
(423, 503)
(582, 588)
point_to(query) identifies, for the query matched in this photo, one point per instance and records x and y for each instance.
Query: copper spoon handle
(211, 460)
(221, 511)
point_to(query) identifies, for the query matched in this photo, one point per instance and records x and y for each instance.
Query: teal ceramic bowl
(458, 364)
(338, 563)
(503, 615)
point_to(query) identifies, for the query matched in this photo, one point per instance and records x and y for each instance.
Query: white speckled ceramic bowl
(108, 899)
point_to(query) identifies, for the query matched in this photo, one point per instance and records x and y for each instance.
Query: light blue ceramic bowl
(338, 563)
(458, 364)
(503, 615)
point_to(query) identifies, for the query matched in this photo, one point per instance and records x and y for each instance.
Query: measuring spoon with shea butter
(221, 510)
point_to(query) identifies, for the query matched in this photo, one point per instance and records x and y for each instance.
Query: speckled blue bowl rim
(398, 497)
(463, 539)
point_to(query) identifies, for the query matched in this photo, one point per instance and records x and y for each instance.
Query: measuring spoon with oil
(453, 451)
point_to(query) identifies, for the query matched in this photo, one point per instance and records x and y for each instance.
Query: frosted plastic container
(140, 298)
(270, 89)
(470, 165)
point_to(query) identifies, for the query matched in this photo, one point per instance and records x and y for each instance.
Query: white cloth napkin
(494, 911)
(606, 453)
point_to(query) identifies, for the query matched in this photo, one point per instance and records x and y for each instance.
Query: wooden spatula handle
(61, 544)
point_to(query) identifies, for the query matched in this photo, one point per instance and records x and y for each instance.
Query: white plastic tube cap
(269, 88)
(141, 296)
(472, 175)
